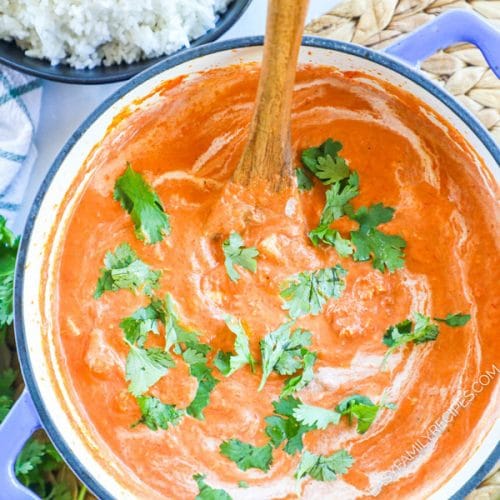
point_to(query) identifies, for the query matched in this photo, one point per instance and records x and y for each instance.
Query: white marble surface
(65, 106)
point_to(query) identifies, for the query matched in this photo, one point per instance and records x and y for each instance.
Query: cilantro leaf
(316, 417)
(140, 200)
(457, 319)
(329, 236)
(206, 492)
(337, 199)
(137, 326)
(418, 332)
(8, 251)
(247, 456)
(325, 163)
(298, 382)
(206, 384)
(236, 254)
(363, 408)
(228, 363)
(304, 182)
(281, 351)
(283, 426)
(308, 292)
(175, 333)
(124, 270)
(324, 468)
(156, 414)
(144, 367)
(386, 250)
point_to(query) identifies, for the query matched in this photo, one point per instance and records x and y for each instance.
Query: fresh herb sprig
(143, 204)
(236, 253)
(324, 468)
(247, 456)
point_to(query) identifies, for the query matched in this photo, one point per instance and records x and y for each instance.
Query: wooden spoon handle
(267, 155)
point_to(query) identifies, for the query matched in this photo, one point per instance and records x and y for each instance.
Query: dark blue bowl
(11, 55)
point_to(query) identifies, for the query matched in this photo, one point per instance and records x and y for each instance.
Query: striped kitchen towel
(20, 99)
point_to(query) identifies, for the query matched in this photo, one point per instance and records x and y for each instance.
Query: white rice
(87, 33)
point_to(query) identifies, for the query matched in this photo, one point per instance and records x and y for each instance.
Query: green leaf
(418, 331)
(8, 251)
(324, 468)
(304, 182)
(281, 351)
(324, 162)
(144, 367)
(228, 363)
(206, 492)
(140, 200)
(236, 254)
(386, 250)
(457, 319)
(314, 416)
(243, 484)
(137, 327)
(247, 456)
(300, 381)
(363, 408)
(332, 237)
(157, 415)
(7, 379)
(175, 333)
(36, 461)
(308, 292)
(206, 384)
(124, 270)
(337, 199)
(282, 426)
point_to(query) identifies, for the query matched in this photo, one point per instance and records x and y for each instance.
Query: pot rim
(308, 41)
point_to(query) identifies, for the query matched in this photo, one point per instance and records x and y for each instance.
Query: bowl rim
(383, 59)
(63, 73)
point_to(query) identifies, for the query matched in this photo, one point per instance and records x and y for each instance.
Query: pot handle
(447, 29)
(20, 423)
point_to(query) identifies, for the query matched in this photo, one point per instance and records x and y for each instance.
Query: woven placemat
(461, 69)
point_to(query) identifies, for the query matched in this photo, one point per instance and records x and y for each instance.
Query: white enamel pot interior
(58, 413)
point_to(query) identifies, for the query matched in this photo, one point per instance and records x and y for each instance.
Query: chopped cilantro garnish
(316, 417)
(247, 456)
(8, 252)
(308, 292)
(124, 269)
(298, 382)
(140, 200)
(304, 182)
(237, 254)
(386, 250)
(332, 237)
(282, 351)
(324, 468)
(243, 484)
(156, 414)
(283, 426)
(228, 362)
(337, 199)
(175, 333)
(144, 367)
(418, 331)
(363, 408)
(206, 384)
(137, 326)
(457, 319)
(206, 492)
(325, 163)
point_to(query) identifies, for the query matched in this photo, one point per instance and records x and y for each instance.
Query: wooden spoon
(267, 157)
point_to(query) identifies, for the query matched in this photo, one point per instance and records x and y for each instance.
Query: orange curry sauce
(186, 141)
